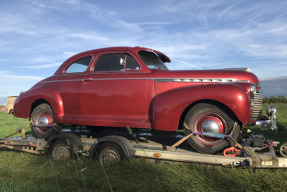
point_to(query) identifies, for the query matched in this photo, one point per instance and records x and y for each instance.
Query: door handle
(88, 79)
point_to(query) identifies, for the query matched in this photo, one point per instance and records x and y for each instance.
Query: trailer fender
(122, 142)
(72, 139)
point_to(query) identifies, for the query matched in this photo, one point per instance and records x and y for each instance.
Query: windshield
(152, 60)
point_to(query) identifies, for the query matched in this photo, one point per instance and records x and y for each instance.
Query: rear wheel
(43, 115)
(209, 118)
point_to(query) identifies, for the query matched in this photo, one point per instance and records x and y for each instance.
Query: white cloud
(154, 23)
(16, 78)
(90, 36)
(14, 24)
(53, 65)
(183, 64)
(12, 84)
(10, 76)
(5, 73)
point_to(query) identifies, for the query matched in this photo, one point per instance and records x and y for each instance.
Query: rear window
(80, 65)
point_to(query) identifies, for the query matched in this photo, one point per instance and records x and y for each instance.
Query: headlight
(252, 90)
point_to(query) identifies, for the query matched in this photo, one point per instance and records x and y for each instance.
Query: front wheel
(43, 115)
(209, 118)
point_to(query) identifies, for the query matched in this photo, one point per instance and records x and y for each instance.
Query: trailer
(107, 148)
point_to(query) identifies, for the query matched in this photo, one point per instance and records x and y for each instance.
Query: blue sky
(36, 36)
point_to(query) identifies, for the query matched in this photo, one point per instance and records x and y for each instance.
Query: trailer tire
(109, 152)
(283, 149)
(204, 117)
(42, 114)
(61, 150)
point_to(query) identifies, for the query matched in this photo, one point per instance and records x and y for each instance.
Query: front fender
(23, 104)
(168, 107)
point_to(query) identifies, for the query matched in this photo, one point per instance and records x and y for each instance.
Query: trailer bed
(151, 146)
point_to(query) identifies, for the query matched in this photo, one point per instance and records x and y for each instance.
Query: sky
(36, 36)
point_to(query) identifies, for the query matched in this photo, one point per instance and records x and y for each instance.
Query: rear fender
(168, 107)
(23, 105)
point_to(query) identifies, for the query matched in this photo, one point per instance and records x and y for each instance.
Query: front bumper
(269, 121)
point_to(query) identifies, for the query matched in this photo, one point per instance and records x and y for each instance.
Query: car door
(115, 92)
(70, 85)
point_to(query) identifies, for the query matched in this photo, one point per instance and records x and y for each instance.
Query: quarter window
(80, 65)
(116, 62)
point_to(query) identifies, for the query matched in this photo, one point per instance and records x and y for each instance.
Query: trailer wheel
(61, 150)
(283, 149)
(42, 114)
(109, 152)
(205, 117)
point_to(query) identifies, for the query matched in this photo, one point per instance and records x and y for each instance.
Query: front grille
(256, 105)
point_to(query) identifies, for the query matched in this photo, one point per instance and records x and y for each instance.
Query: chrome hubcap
(210, 126)
(44, 121)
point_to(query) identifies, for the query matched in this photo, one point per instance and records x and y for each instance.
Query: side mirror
(122, 62)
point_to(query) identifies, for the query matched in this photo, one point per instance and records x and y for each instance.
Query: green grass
(21, 171)
(9, 124)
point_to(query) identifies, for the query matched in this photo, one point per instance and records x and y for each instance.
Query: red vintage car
(124, 86)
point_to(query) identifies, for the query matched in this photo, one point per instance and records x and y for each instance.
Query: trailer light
(157, 154)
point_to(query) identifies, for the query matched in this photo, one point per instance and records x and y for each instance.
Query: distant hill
(274, 86)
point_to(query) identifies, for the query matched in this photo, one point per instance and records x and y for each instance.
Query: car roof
(162, 56)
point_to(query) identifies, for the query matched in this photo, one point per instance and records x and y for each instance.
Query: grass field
(27, 172)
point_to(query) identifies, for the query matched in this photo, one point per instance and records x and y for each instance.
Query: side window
(80, 65)
(116, 62)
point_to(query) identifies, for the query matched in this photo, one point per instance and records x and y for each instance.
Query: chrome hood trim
(201, 80)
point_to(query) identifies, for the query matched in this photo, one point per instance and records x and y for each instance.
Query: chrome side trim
(96, 79)
(55, 81)
(109, 79)
(201, 80)
(184, 80)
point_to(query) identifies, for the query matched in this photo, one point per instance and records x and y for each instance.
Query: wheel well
(212, 102)
(38, 102)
